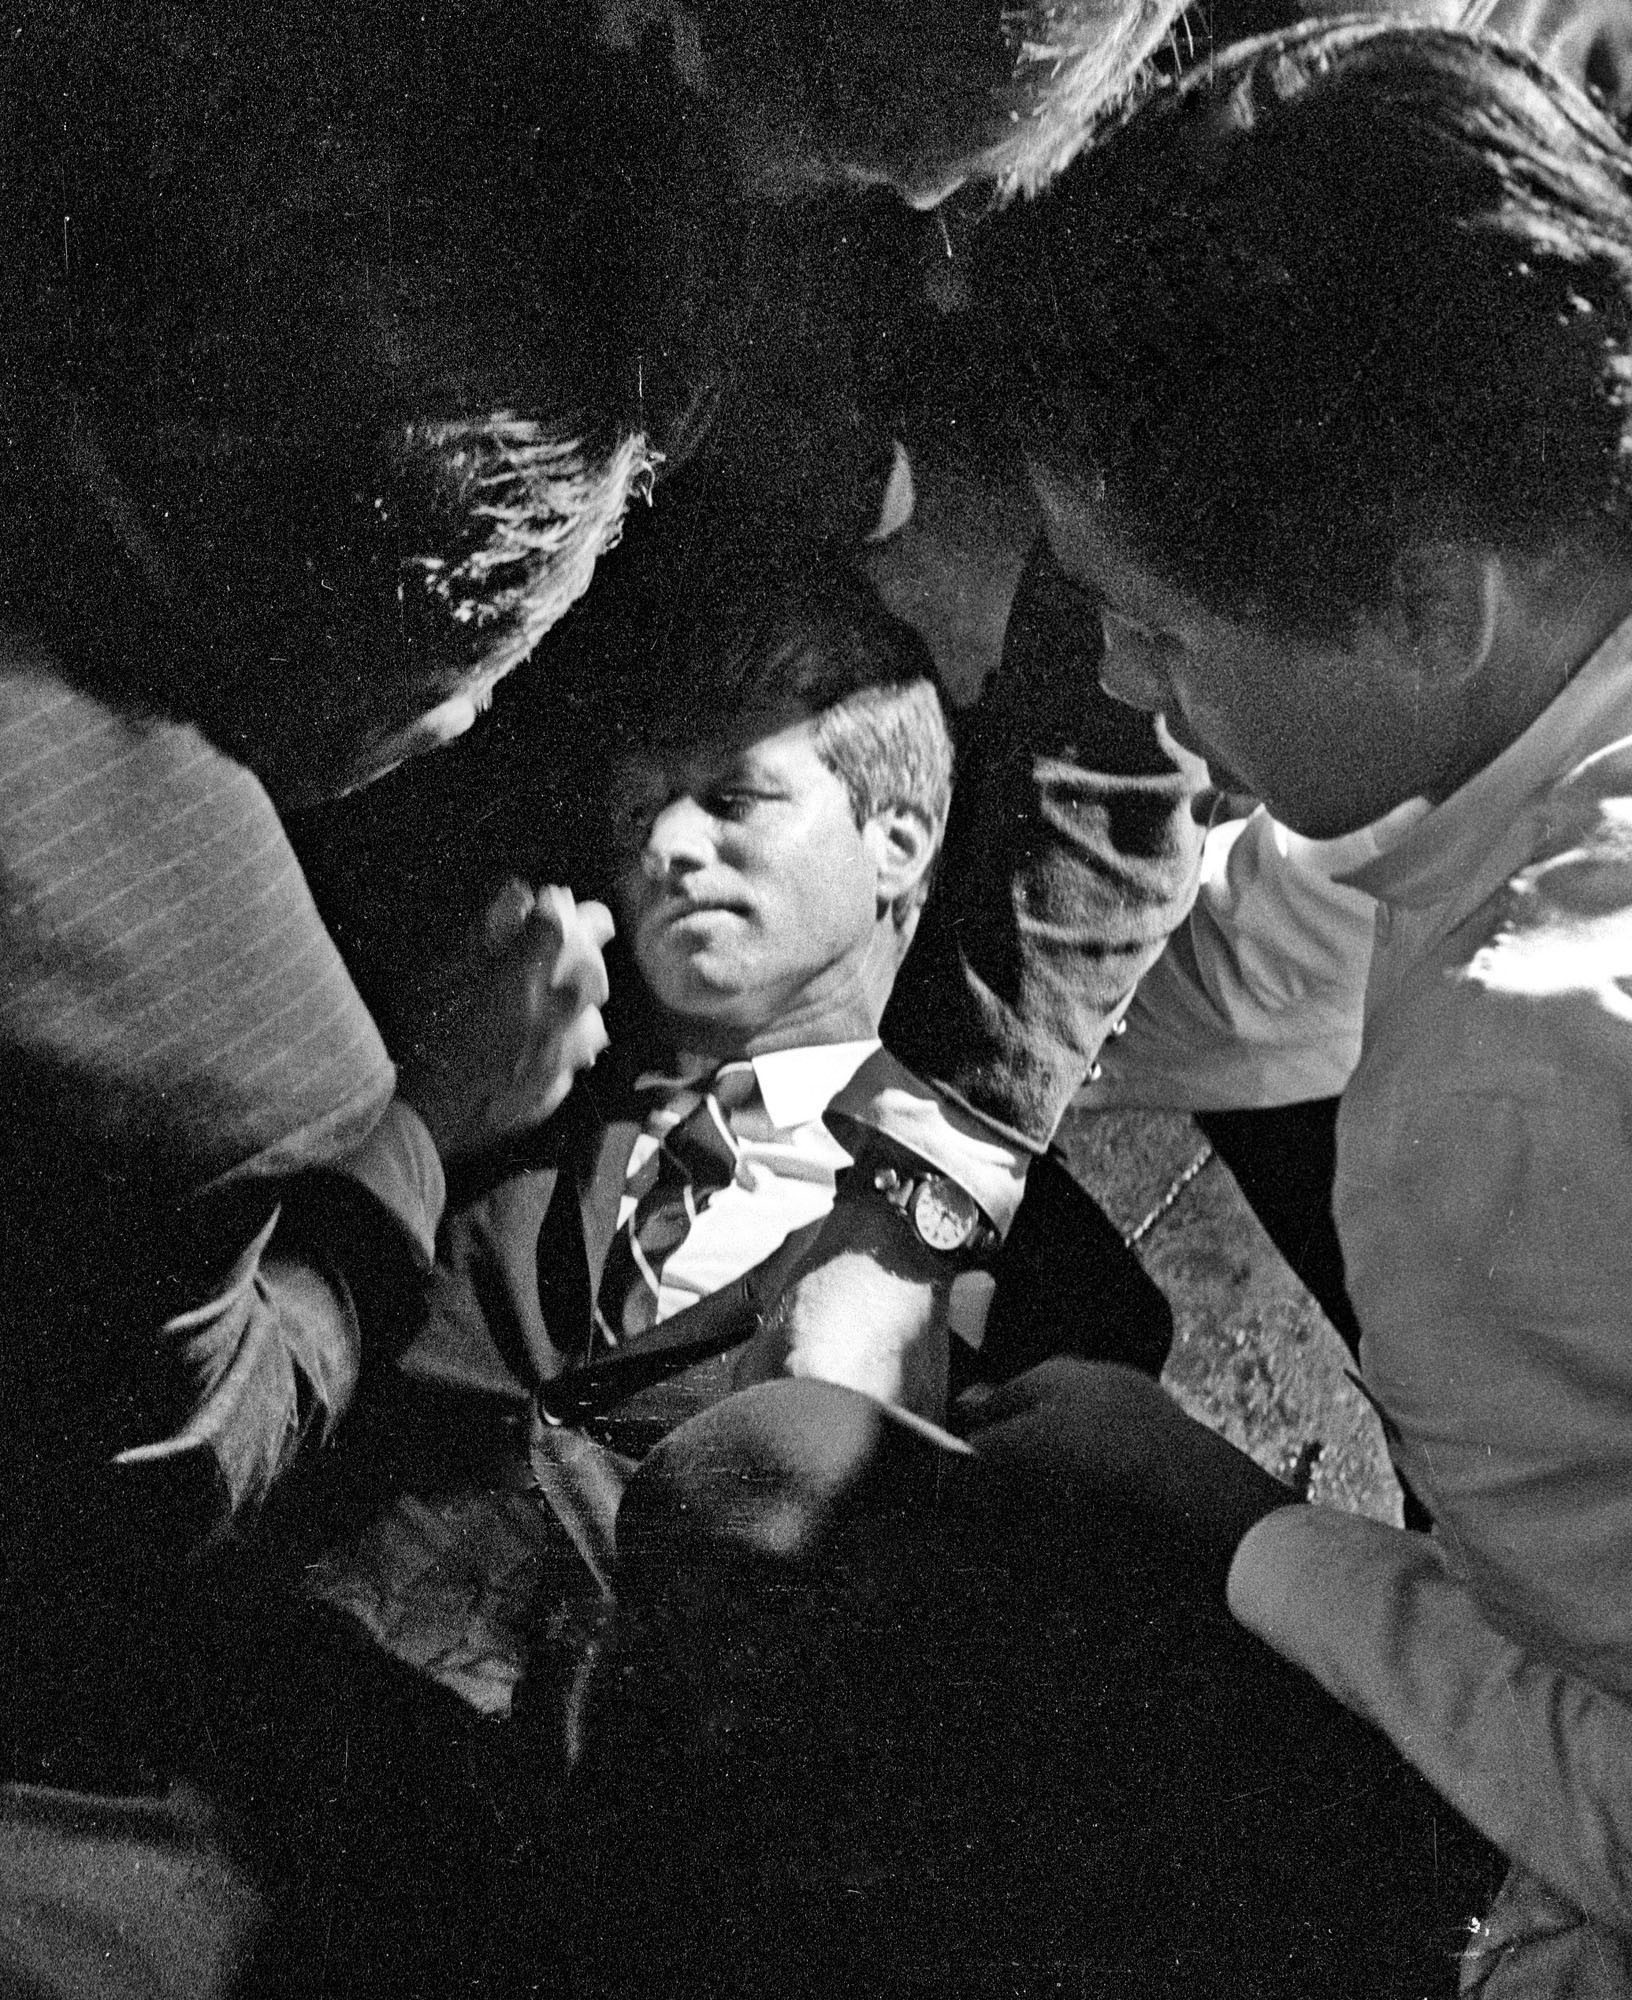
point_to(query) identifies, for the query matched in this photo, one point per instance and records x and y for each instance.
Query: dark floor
(1253, 1355)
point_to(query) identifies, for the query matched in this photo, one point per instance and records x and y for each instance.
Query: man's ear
(902, 843)
(1445, 609)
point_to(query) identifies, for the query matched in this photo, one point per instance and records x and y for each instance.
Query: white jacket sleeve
(1259, 997)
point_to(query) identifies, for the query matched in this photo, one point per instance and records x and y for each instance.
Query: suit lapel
(577, 1230)
(600, 1190)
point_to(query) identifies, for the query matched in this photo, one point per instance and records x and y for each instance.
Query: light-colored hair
(916, 94)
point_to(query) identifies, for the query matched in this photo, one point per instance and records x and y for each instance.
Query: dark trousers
(303, 1818)
(868, 1729)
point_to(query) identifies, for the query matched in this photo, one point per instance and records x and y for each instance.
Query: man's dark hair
(1352, 287)
(724, 619)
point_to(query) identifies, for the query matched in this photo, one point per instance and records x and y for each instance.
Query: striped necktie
(696, 1157)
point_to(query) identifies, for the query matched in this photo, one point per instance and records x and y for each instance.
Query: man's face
(748, 894)
(1328, 734)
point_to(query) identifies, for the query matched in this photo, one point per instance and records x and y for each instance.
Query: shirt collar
(1458, 849)
(799, 1084)
(795, 1085)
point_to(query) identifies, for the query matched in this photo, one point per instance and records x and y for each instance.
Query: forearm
(1538, 1758)
(1073, 855)
(269, 1360)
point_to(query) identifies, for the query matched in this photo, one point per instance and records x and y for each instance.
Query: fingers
(506, 915)
(584, 1040)
(521, 1018)
(1044, 1384)
(559, 950)
(558, 923)
(580, 930)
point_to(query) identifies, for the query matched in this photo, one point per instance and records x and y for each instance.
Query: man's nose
(1133, 664)
(681, 838)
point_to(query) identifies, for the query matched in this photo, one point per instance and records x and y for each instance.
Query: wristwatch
(943, 1216)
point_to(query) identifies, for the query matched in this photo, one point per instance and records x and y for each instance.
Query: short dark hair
(736, 617)
(1350, 287)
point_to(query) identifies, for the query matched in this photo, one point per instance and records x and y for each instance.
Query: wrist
(932, 1216)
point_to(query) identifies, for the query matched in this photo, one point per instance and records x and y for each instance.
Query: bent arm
(271, 1358)
(1072, 856)
(1535, 1756)
(1485, 1213)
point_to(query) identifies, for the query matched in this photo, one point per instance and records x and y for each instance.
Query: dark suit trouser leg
(897, 1750)
(311, 1820)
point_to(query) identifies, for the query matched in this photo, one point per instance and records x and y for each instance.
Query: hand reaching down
(1102, 1437)
(516, 1021)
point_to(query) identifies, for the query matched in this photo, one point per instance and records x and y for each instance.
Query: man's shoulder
(169, 983)
(1530, 996)
(1561, 925)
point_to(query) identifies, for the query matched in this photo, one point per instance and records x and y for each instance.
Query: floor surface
(1253, 1355)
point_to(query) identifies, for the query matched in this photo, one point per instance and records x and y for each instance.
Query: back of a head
(1353, 285)
(280, 355)
(918, 95)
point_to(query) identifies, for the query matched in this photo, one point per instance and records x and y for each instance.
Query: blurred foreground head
(302, 445)
(919, 97)
(1587, 41)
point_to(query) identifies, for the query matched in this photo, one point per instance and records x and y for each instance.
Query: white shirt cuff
(885, 1096)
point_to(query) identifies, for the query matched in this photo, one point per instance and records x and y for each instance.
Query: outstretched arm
(1072, 856)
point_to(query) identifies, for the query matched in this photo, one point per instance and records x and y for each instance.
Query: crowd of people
(568, 1433)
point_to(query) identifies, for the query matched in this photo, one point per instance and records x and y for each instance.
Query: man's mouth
(683, 909)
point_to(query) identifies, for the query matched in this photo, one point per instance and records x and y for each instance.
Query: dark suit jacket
(519, 1261)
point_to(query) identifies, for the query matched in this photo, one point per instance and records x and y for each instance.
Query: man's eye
(732, 804)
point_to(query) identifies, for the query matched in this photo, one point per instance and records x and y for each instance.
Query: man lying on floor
(778, 777)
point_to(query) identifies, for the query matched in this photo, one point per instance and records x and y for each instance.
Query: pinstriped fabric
(167, 988)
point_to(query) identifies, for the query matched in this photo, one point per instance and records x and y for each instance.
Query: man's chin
(700, 1007)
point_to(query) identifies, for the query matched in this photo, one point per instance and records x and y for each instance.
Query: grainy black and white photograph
(816, 1000)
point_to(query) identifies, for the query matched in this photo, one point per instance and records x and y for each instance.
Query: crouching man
(1331, 412)
(778, 772)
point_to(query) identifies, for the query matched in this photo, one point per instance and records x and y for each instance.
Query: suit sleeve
(270, 1356)
(1073, 854)
(1537, 1757)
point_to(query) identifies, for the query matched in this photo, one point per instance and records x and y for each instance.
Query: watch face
(944, 1216)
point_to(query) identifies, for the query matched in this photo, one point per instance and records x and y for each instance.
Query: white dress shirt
(1484, 1203)
(787, 1171)
(787, 1164)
